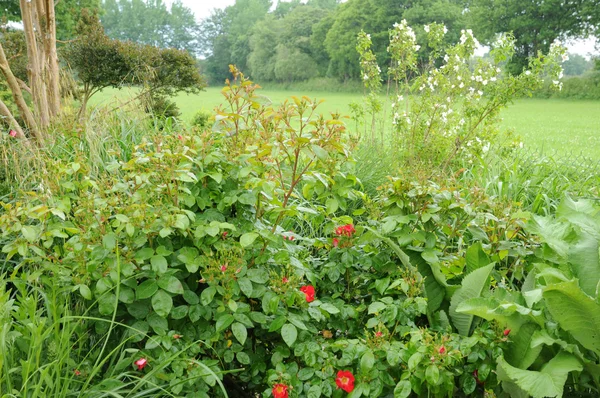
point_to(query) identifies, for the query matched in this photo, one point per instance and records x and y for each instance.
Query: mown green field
(570, 128)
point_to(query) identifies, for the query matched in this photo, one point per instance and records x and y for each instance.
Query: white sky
(203, 8)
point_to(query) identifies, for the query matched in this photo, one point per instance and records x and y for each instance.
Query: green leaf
(403, 389)
(159, 264)
(289, 334)
(331, 205)
(277, 323)
(376, 307)
(575, 312)
(257, 275)
(248, 238)
(30, 233)
(434, 281)
(367, 361)
(171, 284)
(85, 292)
(109, 241)
(382, 284)
(314, 391)
(223, 322)
(476, 257)
(107, 304)
(332, 309)
(245, 286)
(207, 295)
(146, 289)
(240, 332)
(549, 382)
(585, 261)
(432, 374)
(162, 303)
(472, 286)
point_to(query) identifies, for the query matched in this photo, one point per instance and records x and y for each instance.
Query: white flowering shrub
(448, 105)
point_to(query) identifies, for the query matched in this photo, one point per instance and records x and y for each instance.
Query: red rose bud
(378, 334)
(76, 372)
(223, 268)
(345, 380)
(442, 350)
(506, 332)
(225, 234)
(285, 280)
(309, 292)
(12, 133)
(336, 242)
(141, 363)
(280, 391)
(177, 336)
(179, 137)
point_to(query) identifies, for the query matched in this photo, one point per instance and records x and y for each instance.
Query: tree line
(299, 40)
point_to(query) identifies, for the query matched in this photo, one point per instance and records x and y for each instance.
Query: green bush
(201, 120)
(585, 87)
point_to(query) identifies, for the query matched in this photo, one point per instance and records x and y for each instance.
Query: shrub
(201, 120)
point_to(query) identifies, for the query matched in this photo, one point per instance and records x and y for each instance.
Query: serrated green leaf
(207, 295)
(403, 389)
(171, 284)
(146, 289)
(367, 361)
(159, 264)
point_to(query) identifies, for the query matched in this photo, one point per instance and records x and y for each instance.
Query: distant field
(566, 127)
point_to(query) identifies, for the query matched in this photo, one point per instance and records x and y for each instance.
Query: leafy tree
(535, 25)
(577, 65)
(152, 23)
(293, 65)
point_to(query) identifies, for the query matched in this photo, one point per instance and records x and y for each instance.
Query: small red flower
(141, 363)
(309, 292)
(12, 133)
(225, 234)
(506, 332)
(345, 380)
(280, 391)
(336, 242)
(76, 372)
(285, 280)
(179, 137)
(378, 334)
(177, 336)
(345, 230)
(442, 350)
(223, 268)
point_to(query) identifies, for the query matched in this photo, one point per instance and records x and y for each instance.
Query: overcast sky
(203, 8)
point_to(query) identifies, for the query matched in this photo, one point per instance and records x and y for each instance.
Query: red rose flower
(345, 380)
(285, 280)
(309, 292)
(12, 133)
(378, 334)
(336, 242)
(442, 350)
(141, 363)
(280, 391)
(506, 332)
(223, 268)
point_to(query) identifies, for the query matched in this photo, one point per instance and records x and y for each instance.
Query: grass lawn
(570, 128)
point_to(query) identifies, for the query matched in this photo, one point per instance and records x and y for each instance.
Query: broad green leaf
(382, 284)
(171, 284)
(207, 295)
(472, 286)
(107, 304)
(109, 241)
(331, 205)
(575, 312)
(248, 238)
(146, 289)
(434, 281)
(584, 257)
(277, 323)
(553, 232)
(367, 361)
(289, 334)
(257, 275)
(403, 389)
(159, 264)
(476, 257)
(376, 307)
(549, 382)
(85, 291)
(223, 322)
(332, 309)
(314, 391)
(432, 374)
(30, 232)
(162, 303)
(240, 332)
(245, 286)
